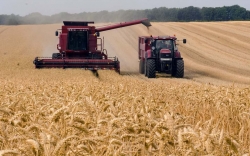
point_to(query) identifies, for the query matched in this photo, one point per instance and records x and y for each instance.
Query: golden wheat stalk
(62, 142)
(8, 152)
(37, 148)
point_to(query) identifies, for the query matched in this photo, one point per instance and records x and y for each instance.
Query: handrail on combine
(100, 44)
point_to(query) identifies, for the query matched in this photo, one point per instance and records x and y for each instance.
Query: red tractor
(80, 47)
(160, 54)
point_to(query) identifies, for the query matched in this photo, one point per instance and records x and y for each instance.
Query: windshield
(77, 40)
(164, 44)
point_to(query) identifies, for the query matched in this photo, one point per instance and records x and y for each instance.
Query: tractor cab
(163, 48)
(163, 44)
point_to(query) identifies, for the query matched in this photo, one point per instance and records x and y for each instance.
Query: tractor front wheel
(179, 71)
(151, 68)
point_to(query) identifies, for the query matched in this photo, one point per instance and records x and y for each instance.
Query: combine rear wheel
(179, 71)
(151, 68)
(141, 67)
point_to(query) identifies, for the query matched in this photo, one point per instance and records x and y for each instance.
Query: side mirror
(98, 34)
(56, 33)
(184, 41)
(152, 42)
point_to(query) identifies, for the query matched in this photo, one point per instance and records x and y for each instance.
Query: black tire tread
(145, 69)
(151, 68)
(56, 56)
(179, 73)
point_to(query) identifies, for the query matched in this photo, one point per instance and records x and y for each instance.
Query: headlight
(153, 48)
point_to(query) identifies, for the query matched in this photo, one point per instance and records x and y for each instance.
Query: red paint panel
(149, 53)
(144, 47)
(166, 51)
(63, 42)
(92, 43)
(177, 54)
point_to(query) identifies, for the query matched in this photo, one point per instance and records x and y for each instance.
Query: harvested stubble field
(73, 112)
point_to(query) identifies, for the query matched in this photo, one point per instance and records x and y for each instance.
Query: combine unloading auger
(79, 47)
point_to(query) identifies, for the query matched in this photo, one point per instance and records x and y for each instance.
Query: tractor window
(175, 47)
(77, 40)
(164, 44)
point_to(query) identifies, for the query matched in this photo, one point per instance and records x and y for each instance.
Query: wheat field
(75, 112)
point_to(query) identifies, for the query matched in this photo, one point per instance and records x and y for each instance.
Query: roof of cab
(160, 37)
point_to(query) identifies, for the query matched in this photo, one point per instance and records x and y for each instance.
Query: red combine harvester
(160, 54)
(79, 47)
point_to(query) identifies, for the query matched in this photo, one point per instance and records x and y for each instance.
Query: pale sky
(49, 7)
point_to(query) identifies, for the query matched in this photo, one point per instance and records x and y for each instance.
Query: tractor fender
(178, 58)
(148, 54)
(177, 54)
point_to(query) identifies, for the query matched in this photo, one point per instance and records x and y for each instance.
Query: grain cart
(80, 47)
(160, 54)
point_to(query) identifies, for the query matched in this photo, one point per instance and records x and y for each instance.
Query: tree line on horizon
(162, 14)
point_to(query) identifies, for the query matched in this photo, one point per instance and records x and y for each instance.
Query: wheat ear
(13, 152)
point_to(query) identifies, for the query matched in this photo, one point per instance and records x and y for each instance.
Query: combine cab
(160, 54)
(80, 47)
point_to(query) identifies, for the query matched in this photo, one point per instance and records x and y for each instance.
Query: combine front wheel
(56, 56)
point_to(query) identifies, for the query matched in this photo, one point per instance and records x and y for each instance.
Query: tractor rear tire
(179, 71)
(151, 68)
(145, 68)
(141, 67)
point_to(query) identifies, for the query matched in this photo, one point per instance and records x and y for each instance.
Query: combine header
(80, 47)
